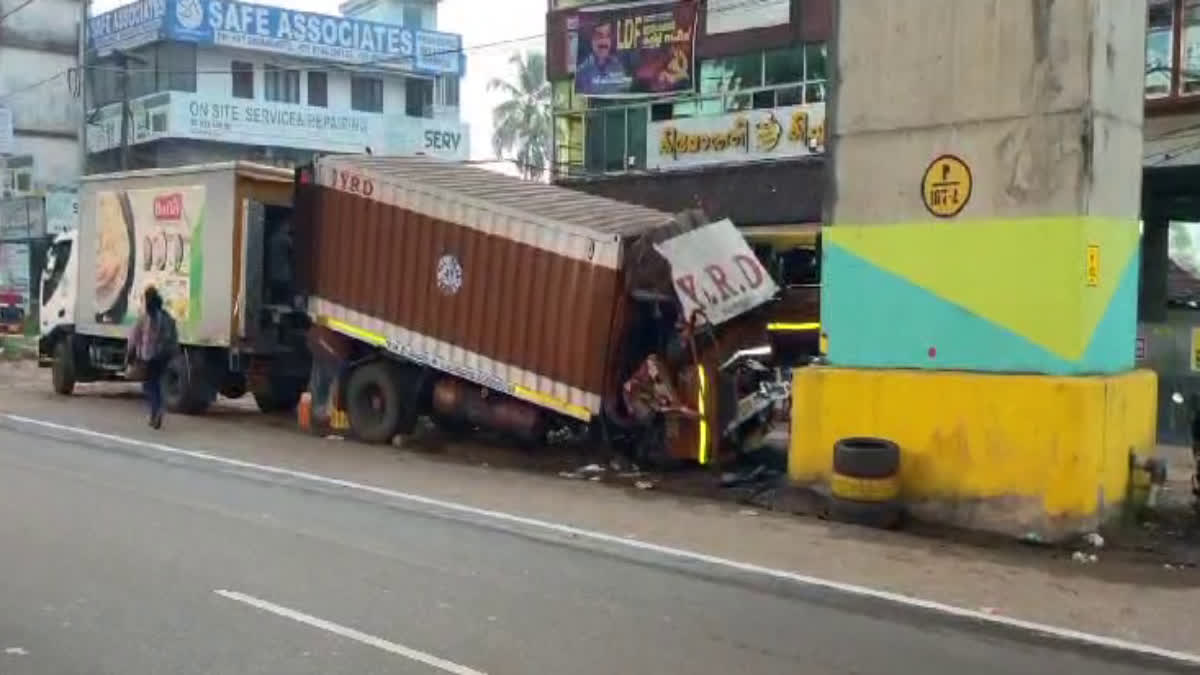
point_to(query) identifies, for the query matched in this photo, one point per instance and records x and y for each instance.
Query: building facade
(39, 109)
(682, 104)
(207, 80)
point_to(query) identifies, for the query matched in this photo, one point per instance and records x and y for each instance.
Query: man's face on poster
(602, 42)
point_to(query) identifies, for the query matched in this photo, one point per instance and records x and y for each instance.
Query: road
(121, 560)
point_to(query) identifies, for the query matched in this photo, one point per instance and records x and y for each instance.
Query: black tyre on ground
(186, 388)
(234, 388)
(866, 458)
(62, 372)
(375, 402)
(282, 397)
(866, 482)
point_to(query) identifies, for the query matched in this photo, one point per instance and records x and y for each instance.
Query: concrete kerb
(835, 592)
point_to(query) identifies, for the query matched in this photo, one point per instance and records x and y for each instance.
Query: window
(784, 66)
(418, 97)
(1160, 47)
(412, 16)
(177, 66)
(366, 94)
(447, 91)
(318, 89)
(1189, 46)
(243, 79)
(281, 85)
(56, 265)
(143, 70)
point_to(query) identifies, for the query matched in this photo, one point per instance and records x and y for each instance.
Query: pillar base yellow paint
(1011, 454)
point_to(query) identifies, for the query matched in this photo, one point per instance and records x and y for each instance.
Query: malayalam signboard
(277, 30)
(636, 51)
(146, 237)
(715, 273)
(770, 133)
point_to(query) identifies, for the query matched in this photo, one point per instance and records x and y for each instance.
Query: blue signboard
(244, 25)
(127, 26)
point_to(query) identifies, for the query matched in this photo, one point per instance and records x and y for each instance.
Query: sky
(521, 19)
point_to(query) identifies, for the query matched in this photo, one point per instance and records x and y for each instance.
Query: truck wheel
(62, 373)
(374, 402)
(185, 384)
(234, 388)
(283, 396)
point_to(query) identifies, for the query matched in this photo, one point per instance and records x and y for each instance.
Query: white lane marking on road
(667, 551)
(350, 633)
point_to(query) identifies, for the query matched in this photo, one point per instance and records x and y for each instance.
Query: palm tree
(523, 121)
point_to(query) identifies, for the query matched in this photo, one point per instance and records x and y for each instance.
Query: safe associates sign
(281, 31)
(636, 51)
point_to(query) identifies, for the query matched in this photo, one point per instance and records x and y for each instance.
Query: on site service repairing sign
(714, 271)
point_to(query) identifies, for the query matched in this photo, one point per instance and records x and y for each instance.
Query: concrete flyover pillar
(980, 273)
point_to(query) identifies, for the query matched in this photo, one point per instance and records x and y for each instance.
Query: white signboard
(6, 131)
(62, 212)
(14, 270)
(726, 16)
(769, 133)
(716, 275)
(231, 120)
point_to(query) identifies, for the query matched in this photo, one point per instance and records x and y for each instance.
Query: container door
(254, 219)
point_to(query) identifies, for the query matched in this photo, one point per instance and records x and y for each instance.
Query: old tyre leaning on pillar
(865, 485)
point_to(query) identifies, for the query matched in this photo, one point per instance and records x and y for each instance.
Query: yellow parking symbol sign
(946, 186)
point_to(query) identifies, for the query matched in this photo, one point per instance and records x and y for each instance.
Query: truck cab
(56, 299)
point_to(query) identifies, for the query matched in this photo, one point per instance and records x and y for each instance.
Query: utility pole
(82, 80)
(125, 113)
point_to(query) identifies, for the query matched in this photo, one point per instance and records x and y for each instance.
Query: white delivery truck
(200, 235)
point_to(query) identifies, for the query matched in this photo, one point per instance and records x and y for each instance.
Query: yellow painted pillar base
(1018, 455)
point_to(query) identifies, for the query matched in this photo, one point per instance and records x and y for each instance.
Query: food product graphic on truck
(144, 239)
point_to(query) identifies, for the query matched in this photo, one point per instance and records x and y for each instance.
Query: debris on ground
(1094, 540)
(643, 485)
(1085, 558)
(748, 512)
(1032, 538)
(334, 437)
(735, 478)
(590, 470)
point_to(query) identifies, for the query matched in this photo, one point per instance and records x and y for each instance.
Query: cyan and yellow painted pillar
(980, 268)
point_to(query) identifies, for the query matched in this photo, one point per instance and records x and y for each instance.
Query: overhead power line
(16, 9)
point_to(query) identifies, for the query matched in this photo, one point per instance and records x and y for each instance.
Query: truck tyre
(62, 373)
(374, 402)
(186, 389)
(282, 397)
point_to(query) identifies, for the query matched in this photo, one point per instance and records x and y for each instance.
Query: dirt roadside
(1120, 596)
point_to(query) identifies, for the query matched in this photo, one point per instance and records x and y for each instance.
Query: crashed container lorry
(199, 234)
(489, 303)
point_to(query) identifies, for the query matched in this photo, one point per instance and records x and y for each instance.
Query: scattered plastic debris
(643, 485)
(1031, 538)
(1085, 558)
(596, 479)
(16, 651)
(1094, 540)
(590, 469)
(570, 475)
(334, 437)
(748, 512)
(1168, 566)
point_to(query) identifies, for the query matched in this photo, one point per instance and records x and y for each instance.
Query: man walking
(152, 343)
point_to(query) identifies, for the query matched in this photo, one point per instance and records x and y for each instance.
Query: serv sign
(716, 275)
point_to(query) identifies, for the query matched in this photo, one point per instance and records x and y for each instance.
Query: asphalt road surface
(123, 561)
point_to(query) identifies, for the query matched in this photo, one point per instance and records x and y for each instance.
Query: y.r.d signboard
(716, 275)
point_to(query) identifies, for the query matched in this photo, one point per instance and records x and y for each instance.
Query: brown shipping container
(511, 284)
